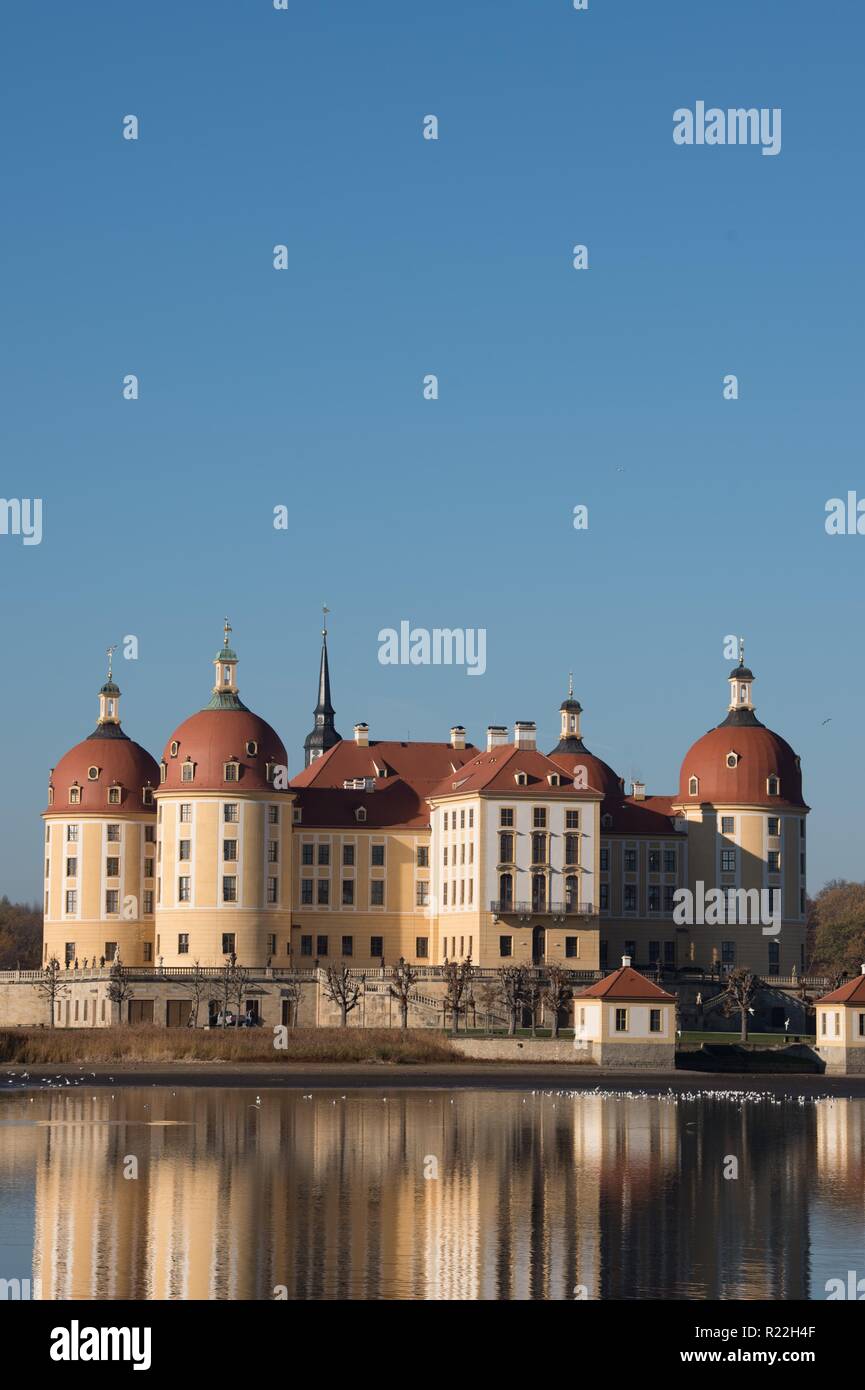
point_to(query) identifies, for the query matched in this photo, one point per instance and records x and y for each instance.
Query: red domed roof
(600, 775)
(760, 754)
(213, 737)
(118, 762)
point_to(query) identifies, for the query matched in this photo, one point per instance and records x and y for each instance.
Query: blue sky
(303, 387)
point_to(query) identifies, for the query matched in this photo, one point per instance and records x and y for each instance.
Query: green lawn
(762, 1039)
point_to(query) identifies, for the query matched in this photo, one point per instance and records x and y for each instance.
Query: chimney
(638, 791)
(525, 733)
(497, 734)
(458, 736)
(361, 735)
(626, 960)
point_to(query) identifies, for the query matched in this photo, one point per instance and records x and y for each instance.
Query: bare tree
(292, 993)
(119, 988)
(51, 987)
(239, 986)
(401, 987)
(742, 987)
(199, 985)
(511, 987)
(343, 989)
(458, 975)
(533, 998)
(556, 993)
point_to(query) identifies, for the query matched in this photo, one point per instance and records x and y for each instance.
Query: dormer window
(75, 795)
(114, 794)
(147, 796)
(175, 748)
(187, 771)
(693, 786)
(50, 796)
(163, 772)
(251, 748)
(93, 774)
(606, 822)
(230, 771)
(773, 786)
(521, 779)
(296, 815)
(732, 760)
(360, 813)
(554, 779)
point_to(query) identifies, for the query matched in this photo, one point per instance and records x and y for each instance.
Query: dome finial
(741, 651)
(325, 610)
(226, 629)
(570, 685)
(110, 651)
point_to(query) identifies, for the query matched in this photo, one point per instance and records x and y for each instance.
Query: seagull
(827, 721)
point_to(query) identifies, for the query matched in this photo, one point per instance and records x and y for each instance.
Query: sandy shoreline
(496, 1076)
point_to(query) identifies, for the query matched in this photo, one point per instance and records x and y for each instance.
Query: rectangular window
(348, 892)
(149, 834)
(321, 946)
(862, 1025)
(273, 896)
(230, 772)
(306, 945)
(669, 890)
(272, 851)
(421, 895)
(654, 952)
(183, 849)
(654, 898)
(669, 953)
(183, 944)
(324, 854)
(444, 895)
(323, 895)
(421, 950)
(423, 857)
(148, 868)
(630, 861)
(630, 904)
(148, 901)
(506, 817)
(271, 945)
(230, 813)
(654, 1020)
(148, 953)
(229, 889)
(184, 890)
(605, 860)
(621, 1020)
(572, 946)
(539, 817)
(306, 891)
(186, 811)
(669, 861)
(72, 832)
(604, 891)
(348, 945)
(110, 950)
(376, 947)
(307, 855)
(228, 943)
(348, 856)
(572, 849)
(113, 833)
(376, 892)
(728, 825)
(506, 848)
(728, 952)
(273, 819)
(728, 861)
(112, 900)
(774, 826)
(377, 856)
(506, 945)
(774, 861)
(229, 850)
(462, 820)
(654, 861)
(445, 856)
(71, 868)
(572, 820)
(471, 819)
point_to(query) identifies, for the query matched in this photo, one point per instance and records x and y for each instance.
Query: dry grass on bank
(144, 1043)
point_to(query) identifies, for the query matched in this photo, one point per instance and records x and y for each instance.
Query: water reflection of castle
(535, 1195)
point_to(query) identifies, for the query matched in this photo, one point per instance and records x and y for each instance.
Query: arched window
(693, 786)
(506, 891)
(773, 786)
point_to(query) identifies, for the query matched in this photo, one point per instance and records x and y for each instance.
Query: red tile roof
(412, 771)
(851, 992)
(628, 985)
(495, 771)
(650, 816)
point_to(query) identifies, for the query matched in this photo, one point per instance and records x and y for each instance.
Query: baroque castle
(429, 851)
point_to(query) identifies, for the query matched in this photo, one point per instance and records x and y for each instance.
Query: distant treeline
(836, 927)
(20, 935)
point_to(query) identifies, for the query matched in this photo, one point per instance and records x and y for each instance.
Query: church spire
(323, 735)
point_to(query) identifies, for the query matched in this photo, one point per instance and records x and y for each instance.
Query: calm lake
(219, 1194)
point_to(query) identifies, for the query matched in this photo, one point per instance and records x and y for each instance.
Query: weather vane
(325, 610)
(110, 651)
(570, 685)
(225, 631)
